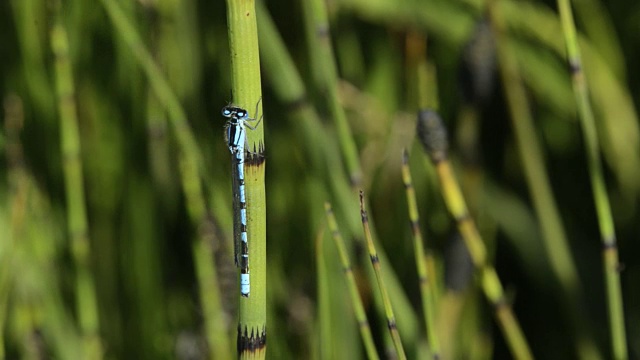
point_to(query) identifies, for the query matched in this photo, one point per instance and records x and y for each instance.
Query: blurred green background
(391, 55)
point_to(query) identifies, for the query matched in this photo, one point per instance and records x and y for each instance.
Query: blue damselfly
(236, 137)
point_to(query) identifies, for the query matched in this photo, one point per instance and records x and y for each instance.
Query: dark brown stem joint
(463, 217)
(297, 103)
(415, 226)
(363, 324)
(251, 342)
(500, 303)
(424, 280)
(609, 244)
(574, 67)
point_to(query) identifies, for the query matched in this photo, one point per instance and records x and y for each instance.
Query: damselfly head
(234, 112)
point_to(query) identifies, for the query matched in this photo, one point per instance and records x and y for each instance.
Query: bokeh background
(392, 57)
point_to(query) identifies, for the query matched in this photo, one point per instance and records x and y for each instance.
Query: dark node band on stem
(391, 324)
(328, 208)
(79, 234)
(355, 180)
(609, 243)
(363, 212)
(500, 303)
(68, 156)
(363, 323)
(415, 226)
(462, 217)
(256, 156)
(67, 98)
(160, 132)
(432, 134)
(405, 157)
(423, 280)
(322, 31)
(251, 342)
(575, 67)
(297, 103)
(374, 259)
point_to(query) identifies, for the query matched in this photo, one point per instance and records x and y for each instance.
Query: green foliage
(341, 84)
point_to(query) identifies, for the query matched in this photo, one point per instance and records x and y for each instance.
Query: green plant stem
(325, 346)
(619, 126)
(33, 51)
(159, 85)
(209, 291)
(375, 263)
(433, 135)
(190, 165)
(605, 219)
(18, 183)
(321, 50)
(554, 236)
(246, 87)
(427, 284)
(324, 156)
(490, 282)
(363, 323)
(86, 299)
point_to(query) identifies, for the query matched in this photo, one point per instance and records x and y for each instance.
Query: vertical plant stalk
(190, 161)
(361, 316)
(325, 344)
(209, 290)
(86, 299)
(420, 73)
(598, 186)
(554, 236)
(375, 263)
(18, 184)
(427, 284)
(287, 84)
(433, 136)
(246, 88)
(322, 52)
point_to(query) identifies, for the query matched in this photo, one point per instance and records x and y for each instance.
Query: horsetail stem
(77, 223)
(190, 165)
(246, 88)
(427, 285)
(375, 263)
(433, 136)
(363, 323)
(603, 208)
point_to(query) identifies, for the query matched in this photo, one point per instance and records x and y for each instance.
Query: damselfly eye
(226, 112)
(242, 113)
